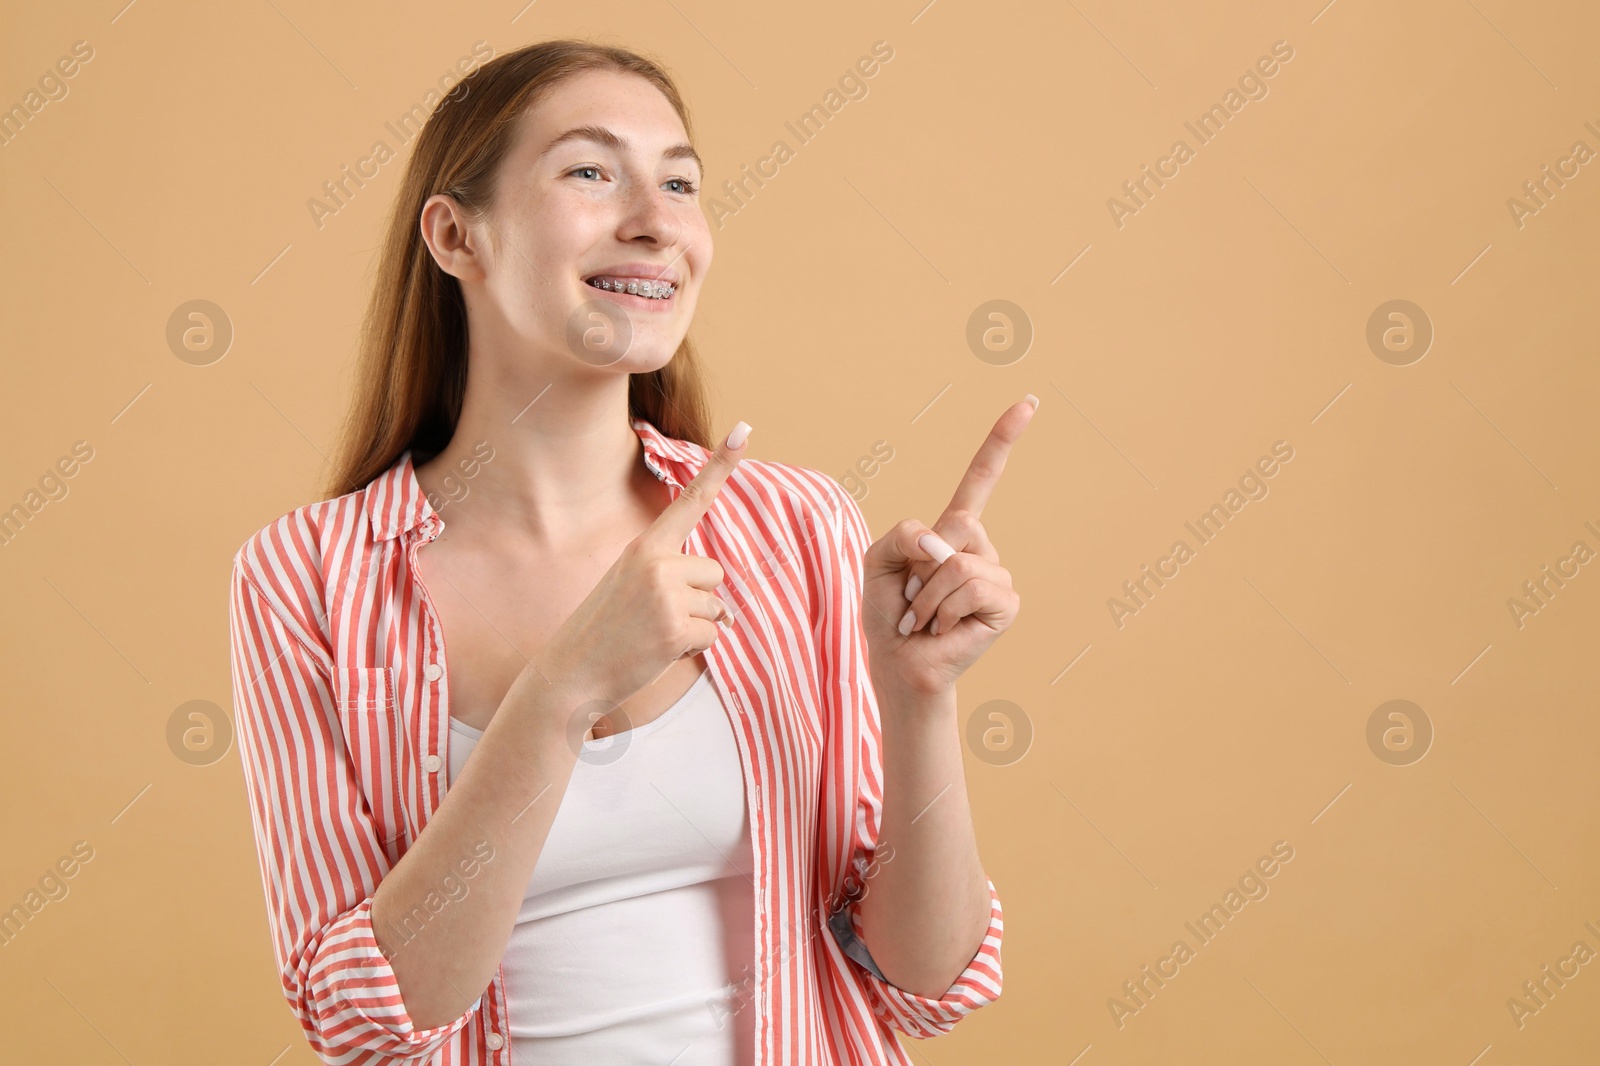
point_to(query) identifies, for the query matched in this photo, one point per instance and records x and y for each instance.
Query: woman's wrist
(552, 690)
(898, 700)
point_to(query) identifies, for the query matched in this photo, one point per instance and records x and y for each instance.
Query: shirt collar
(396, 503)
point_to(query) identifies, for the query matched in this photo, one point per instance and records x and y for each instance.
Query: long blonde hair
(411, 368)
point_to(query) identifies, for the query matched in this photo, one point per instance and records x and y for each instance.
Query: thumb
(908, 542)
(680, 517)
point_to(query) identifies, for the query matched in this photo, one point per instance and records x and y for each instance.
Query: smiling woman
(654, 707)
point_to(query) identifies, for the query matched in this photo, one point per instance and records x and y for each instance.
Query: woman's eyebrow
(602, 136)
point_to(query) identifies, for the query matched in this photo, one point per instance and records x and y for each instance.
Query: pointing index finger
(680, 516)
(983, 473)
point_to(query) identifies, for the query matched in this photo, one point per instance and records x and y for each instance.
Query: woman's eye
(689, 187)
(580, 170)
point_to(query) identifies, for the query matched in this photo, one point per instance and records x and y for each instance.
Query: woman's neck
(553, 468)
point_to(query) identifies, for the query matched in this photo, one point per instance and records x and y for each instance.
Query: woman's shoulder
(349, 524)
(788, 499)
(288, 562)
(295, 538)
(817, 492)
(803, 515)
(800, 494)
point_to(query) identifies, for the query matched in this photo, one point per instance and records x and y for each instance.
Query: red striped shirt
(343, 729)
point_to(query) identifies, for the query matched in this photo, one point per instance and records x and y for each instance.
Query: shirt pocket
(374, 732)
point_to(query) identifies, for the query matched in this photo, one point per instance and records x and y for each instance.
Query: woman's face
(600, 184)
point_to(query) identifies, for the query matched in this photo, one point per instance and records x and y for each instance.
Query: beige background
(1227, 314)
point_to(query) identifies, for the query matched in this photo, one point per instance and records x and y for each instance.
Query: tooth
(650, 290)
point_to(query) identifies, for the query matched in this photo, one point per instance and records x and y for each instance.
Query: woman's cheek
(700, 227)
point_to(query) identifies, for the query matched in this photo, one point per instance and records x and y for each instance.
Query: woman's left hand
(960, 600)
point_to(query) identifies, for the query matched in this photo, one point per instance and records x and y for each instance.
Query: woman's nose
(649, 215)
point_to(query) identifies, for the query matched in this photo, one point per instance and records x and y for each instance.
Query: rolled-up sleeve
(321, 857)
(848, 681)
(922, 1016)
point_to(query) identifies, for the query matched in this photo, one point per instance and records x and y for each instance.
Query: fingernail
(933, 627)
(913, 587)
(737, 437)
(1031, 398)
(907, 622)
(930, 543)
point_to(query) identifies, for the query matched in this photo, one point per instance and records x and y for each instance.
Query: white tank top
(636, 936)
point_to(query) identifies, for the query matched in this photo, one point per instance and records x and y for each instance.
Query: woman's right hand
(655, 605)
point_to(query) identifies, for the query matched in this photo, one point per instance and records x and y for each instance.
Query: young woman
(605, 774)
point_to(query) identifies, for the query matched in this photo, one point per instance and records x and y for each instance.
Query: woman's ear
(452, 239)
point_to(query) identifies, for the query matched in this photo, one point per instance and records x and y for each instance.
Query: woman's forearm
(505, 797)
(926, 909)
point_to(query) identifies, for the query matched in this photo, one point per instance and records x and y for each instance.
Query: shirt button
(433, 671)
(495, 1041)
(432, 764)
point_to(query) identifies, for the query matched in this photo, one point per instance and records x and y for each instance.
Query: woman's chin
(642, 356)
(603, 335)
